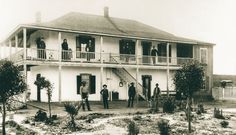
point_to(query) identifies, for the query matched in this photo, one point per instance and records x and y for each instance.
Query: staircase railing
(127, 77)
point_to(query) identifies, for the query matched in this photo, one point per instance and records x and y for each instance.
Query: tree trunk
(3, 118)
(188, 114)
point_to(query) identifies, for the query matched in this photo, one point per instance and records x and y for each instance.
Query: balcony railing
(94, 57)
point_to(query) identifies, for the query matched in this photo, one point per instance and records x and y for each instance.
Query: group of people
(41, 46)
(105, 95)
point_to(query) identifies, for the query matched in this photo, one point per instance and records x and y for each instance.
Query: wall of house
(69, 83)
(110, 44)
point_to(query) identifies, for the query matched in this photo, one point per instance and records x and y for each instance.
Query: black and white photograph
(117, 67)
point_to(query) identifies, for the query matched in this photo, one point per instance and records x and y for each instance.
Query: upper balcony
(49, 55)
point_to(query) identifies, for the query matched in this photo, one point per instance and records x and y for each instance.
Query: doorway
(146, 51)
(146, 79)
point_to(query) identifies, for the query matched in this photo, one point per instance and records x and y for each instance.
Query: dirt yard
(115, 121)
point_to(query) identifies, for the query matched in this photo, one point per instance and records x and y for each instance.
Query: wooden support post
(16, 43)
(10, 49)
(168, 70)
(101, 60)
(137, 93)
(24, 59)
(59, 67)
(101, 48)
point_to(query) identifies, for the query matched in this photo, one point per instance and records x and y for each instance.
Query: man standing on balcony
(41, 46)
(154, 54)
(88, 49)
(132, 93)
(156, 94)
(64, 47)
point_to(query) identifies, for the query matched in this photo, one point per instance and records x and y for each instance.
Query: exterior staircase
(124, 75)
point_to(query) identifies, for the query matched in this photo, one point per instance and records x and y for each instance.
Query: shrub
(218, 113)
(164, 127)
(72, 109)
(169, 105)
(224, 124)
(200, 109)
(133, 129)
(40, 116)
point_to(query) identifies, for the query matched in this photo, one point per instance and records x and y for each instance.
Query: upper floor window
(203, 55)
(185, 50)
(85, 44)
(162, 50)
(127, 47)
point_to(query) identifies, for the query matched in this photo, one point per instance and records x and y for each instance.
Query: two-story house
(102, 50)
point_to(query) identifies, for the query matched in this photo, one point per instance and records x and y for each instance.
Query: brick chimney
(106, 11)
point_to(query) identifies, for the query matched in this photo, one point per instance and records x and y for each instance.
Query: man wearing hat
(132, 93)
(156, 94)
(104, 93)
(84, 95)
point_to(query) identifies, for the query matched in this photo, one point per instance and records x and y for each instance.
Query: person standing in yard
(132, 93)
(104, 93)
(156, 95)
(84, 96)
(154, 54)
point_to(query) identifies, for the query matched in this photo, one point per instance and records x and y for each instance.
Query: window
(85, 44)
(162, 52)
(185, 50)
(127, 47)
(203, 55)
(90, 81)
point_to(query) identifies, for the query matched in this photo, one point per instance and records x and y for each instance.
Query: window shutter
(78, 84)
(93, 84)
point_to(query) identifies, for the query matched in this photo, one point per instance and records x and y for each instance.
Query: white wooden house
(109, 62)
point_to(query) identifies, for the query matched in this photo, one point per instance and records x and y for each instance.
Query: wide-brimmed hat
(104, 85)
(132, 83)
(157, 84)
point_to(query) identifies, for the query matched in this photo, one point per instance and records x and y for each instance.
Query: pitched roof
(109, 25)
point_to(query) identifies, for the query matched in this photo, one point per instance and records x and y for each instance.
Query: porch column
(59, 67)
(101, 47)
(136, 51)
(16, 43)
(24, 59)
(137, 91)
(101, 60)
(168, 70)
(10, 49)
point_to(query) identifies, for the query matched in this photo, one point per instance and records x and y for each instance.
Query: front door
(147, 86)
(146, 52)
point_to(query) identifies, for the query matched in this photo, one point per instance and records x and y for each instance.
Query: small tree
(72, 109)
(11, 83)
(42, 83)
(188, 80)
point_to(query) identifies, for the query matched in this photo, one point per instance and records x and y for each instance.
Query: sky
(205, 20)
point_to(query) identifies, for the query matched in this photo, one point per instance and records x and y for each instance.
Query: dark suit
(132, 93)
(104, 93)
